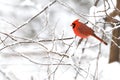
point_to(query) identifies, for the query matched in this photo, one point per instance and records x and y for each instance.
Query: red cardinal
(84, 31)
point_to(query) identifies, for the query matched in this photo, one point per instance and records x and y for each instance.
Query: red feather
(84, 31)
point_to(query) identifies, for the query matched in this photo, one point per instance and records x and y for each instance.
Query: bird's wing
(85, 30)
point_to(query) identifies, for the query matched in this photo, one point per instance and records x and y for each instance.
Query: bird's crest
(77, 20)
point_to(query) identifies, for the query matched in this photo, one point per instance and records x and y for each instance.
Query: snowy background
(44, 47)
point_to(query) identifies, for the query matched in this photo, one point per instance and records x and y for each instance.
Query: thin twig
(5, 75)
(38, 63)
(96, 2)
(22, 43)
(61, 59)
(31, 19)
(49, 40)
(97, 64)
(8, 35)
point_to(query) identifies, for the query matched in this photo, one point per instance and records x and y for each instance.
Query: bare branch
(8, 35)
(96, 2)
(22, 43)
(31, 19)
(56, 39)
(28, 21)
(38, 63)
(5, 75)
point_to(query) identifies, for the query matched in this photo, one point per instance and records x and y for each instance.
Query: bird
(82, 30)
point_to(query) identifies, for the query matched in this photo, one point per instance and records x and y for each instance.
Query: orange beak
(71, 25)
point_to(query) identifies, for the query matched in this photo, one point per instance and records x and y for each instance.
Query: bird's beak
(71, 25)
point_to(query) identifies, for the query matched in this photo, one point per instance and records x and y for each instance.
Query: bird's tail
(100, 39)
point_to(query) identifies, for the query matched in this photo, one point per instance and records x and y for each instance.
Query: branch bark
(114, 50)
